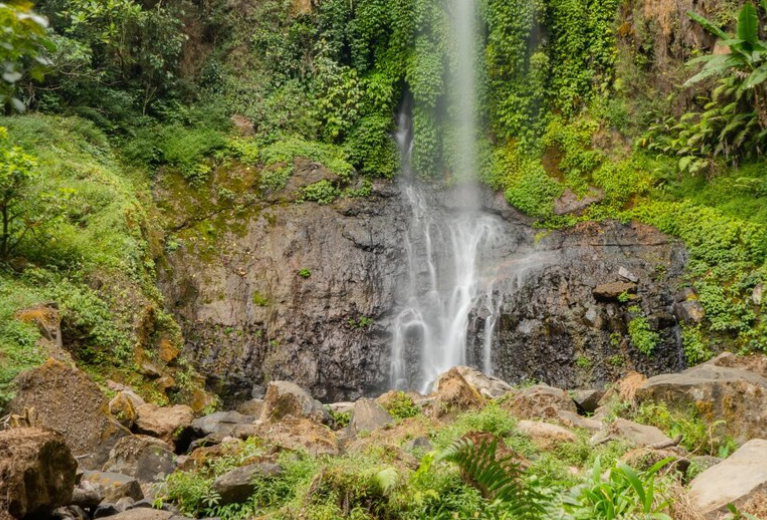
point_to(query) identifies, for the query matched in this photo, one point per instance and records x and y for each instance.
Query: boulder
(114, 486)
(368, 416)
(545, 435)
(573, 420)
(220, 423)
(612, 291)
(67, 401)
(588, 400)
(284, 398)
(37, 472)
(163, 423)
(624, 390)
(638, 434)
(295, 433)
(737, 396)
(252, 408)
(145, 458)
(734, 481)
(454, 394)
(421, 443)
(124, 406)
(540, 402)
(86, 495)
(238, 485)
(487, 386)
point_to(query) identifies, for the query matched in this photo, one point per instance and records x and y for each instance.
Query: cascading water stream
(445, 249)
(446, 280)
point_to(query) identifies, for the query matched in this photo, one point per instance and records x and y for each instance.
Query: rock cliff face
(307, 293)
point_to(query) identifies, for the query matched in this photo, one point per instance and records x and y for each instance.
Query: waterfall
(447, 280)
(445, 249)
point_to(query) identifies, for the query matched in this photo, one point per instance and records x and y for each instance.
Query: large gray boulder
(368, 416)
(284, 398)
(221, 423)
(724, 389)
(37, 472)
(145, 458)
(733, 481)
(238, 485)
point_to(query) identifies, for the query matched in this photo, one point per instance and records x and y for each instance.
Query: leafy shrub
(733, 122)
(279, 160)
(624, 494)
(698, 436)
(401, 406)
(187, 148)
(304, 273)
(322, 192)
(642, 336)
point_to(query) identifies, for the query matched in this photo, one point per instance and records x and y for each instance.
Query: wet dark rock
(106, 510)
(250, 317)
(70, 513)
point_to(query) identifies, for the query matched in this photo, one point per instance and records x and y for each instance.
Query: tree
(23, 43)
(16, 174)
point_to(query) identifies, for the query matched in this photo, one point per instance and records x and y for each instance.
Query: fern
(499, 479)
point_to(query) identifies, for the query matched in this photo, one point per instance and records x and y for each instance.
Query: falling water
(447, 278)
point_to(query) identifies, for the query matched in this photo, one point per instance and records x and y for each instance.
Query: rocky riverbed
(93, 456)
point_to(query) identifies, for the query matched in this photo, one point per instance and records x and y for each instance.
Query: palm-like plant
(734, 119)
(624, 494)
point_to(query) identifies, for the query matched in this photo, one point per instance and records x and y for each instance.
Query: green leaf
(707, 25)
(748, 23)
(756, 78)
